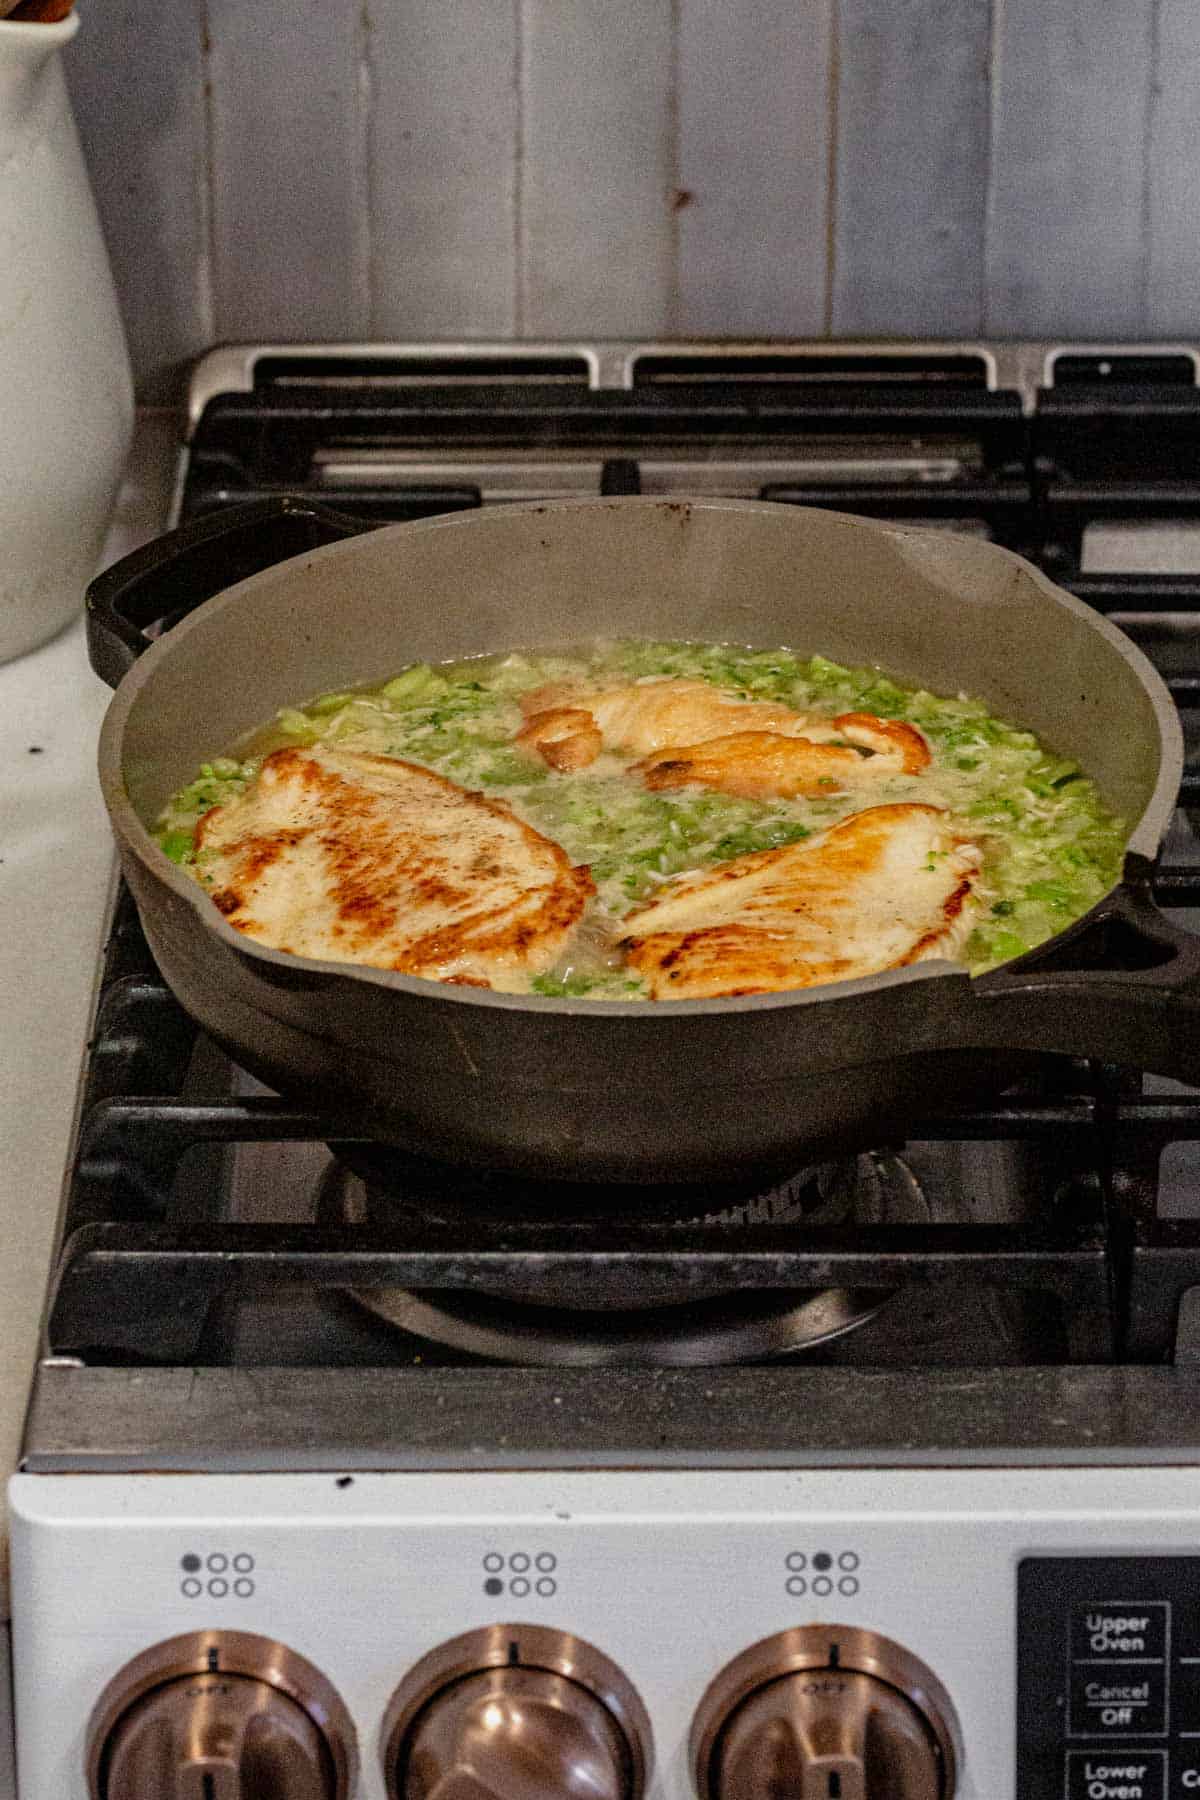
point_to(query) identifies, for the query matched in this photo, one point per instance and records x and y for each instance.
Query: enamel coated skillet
(307, 601)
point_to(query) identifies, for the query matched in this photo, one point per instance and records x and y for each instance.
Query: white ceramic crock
(66, 399)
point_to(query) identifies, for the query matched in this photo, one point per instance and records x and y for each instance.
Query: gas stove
(401, 1478)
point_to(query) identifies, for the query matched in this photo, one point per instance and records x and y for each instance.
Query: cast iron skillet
(635, 1092)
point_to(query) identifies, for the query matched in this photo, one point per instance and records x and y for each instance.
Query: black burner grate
(138, 1283)
(141, 1275)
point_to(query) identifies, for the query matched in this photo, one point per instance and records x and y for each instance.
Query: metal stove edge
(216, 1420)
(1019, 363)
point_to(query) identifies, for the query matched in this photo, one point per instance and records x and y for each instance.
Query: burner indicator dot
(546, 1563)
(218, 1589)
(822, 1560)
(217, 1564)
(848, 1586)
(243, 1563)
(519, 1563)
(493, 1563)
(797, 1587)
(518, 1588)
(796, 1561)
(546, 1588)
(822, 1586)
(191, 1588)
(243, 1588)
(849, 1561)
(190, 1562)
(492, 1586)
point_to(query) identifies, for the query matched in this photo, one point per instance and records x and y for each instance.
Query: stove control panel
(692, 1634)
(1108, 1695)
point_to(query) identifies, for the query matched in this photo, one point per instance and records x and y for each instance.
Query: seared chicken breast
(362, 858)
(690, 732)
(643, 716)
(765, 765)
(887, 887)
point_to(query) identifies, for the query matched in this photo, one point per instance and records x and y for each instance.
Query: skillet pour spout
(212, 628)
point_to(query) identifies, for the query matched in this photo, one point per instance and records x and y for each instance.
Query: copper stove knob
(516, 1712)
(826, 1713)
(216, 1737)
(516, 1734)
(220, 1715)
(833, 1732)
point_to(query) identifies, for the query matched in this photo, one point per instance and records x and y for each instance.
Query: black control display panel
(1108, 1678)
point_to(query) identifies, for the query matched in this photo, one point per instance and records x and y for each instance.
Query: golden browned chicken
(764, 765)
(884, 888)
(691, 732)
(901, 748)
(643, 716)
(566, 737)
(361, 858)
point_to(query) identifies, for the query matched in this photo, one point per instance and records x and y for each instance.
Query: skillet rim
(134, 838)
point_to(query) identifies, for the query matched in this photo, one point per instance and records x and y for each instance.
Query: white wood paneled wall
(409, 168)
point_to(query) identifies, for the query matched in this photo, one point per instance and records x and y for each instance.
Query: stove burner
(398, 1178)
(626, 1320)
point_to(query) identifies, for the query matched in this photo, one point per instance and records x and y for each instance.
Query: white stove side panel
(8, 1766)
(670, 1575)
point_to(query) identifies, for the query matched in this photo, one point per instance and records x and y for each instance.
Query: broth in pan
(645, 820)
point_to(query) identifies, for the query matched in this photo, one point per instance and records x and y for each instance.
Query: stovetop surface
(1019, 1275)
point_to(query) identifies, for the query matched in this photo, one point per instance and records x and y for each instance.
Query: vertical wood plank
(1173, 299)
(288, 176)
(137, 75)
(1067, 238)
(912, 166)
(597, 168)
(753, 119)
(442, 137)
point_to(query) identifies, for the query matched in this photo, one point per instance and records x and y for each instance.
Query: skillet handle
(1132, 996)
(144, 594)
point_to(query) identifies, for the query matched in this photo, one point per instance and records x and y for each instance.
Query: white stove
(932, 1531)
(671, 1576)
